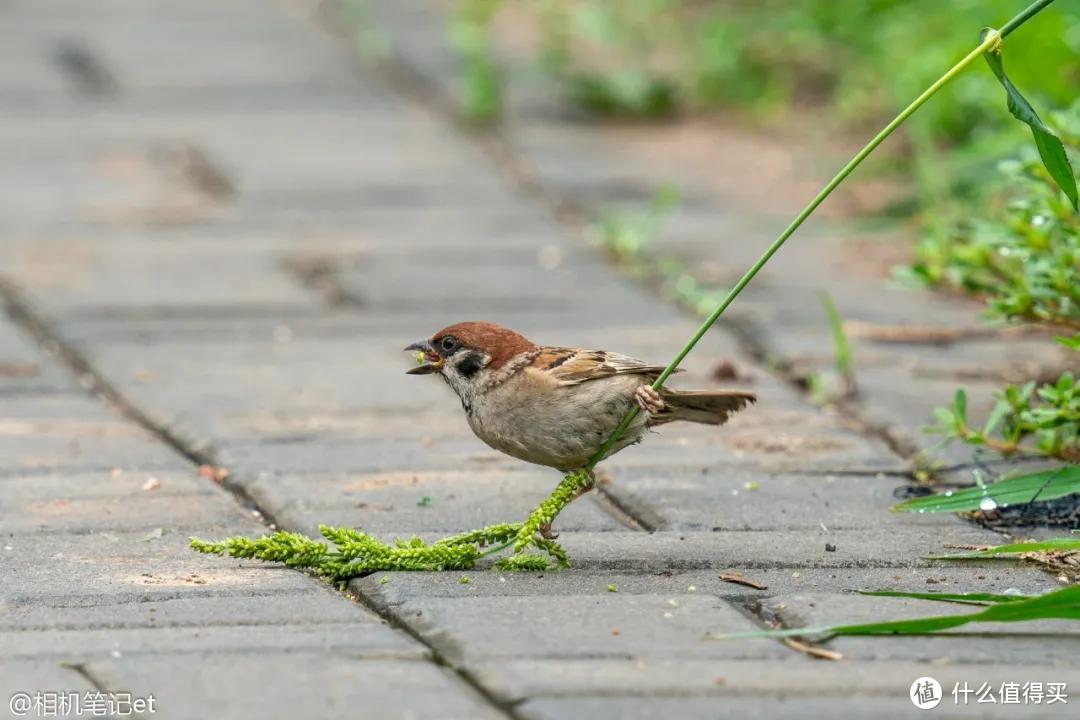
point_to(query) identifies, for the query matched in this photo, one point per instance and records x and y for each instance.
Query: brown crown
(498, 342)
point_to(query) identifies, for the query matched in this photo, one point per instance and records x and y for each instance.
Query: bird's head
(464, 352)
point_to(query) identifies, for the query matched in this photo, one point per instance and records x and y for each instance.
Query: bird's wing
(568, 366)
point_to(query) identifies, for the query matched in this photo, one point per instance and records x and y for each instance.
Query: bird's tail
(711, 407)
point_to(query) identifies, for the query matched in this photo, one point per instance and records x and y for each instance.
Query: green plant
(480, 90)
(1073, 343)
(369, 40)
(648, 58)
(975, 598)
(1043, 485)
(824, 389)
(767, 55)
(1039, 419)
(1060, 556)
(357, 554)
(1063, 544)
(1057, 604)
(841, 346)
(630, 35)
(628, 238)
(1025, 263)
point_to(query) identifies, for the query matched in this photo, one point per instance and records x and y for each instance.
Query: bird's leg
(539, 521)
(545, 530)
(649, 400)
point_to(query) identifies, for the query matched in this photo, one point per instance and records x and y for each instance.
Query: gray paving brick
(406, 502)
(884, 546)
(196, 605)
(114, 483)
(746, 497)
(742, 681)
(581, 626)
(87, 515)
(294, 682)
(632, 706)
(21, 370)
(134, 279)
(401, 587)
(103, 642)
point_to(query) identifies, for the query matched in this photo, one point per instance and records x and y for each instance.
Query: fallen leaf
(738, 579)
(813, 650)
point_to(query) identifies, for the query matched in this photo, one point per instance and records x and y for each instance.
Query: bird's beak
(427, 357)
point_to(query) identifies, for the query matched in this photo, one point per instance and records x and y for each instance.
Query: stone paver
(209, 206)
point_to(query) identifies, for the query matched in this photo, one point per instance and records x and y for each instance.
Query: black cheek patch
(470, 365)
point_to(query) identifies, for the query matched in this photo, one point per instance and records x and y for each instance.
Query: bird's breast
(557, 425)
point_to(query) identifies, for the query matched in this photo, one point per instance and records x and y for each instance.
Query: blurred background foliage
(1021, 252)
(862, 59)
(848, 66)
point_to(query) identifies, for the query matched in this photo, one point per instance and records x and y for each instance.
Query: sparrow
(556, 406)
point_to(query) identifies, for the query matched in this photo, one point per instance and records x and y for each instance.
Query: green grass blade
(840, 342)
(963, 598)
(1064, 544)
(1055, 605)
(1063, 604)
(1044, 485)
(1051, 150)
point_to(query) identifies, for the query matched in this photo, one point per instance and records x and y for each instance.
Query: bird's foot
(545, 530)
(649, 400)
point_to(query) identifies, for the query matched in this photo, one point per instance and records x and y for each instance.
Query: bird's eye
(449, 343)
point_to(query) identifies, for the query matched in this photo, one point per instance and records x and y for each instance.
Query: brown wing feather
(569, 366)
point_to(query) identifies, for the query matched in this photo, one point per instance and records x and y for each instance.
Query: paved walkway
(215, 236)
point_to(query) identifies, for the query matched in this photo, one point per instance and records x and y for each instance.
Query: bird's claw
(547, 533)
(649, 400)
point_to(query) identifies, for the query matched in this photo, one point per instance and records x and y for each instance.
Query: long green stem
(1023, 16)
(991, 39)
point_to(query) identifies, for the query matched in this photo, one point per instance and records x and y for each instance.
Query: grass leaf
(1001, 409)
(1051, 150)
(976, 598)
(960, 407)
(1063, 604)
(1064, 544)
(1073, 343)
(840, 342)
(1044, 485)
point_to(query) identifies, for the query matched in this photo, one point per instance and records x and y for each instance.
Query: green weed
(1030, 419)
(1024, 259)
(1057, 604)
(480, 87)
